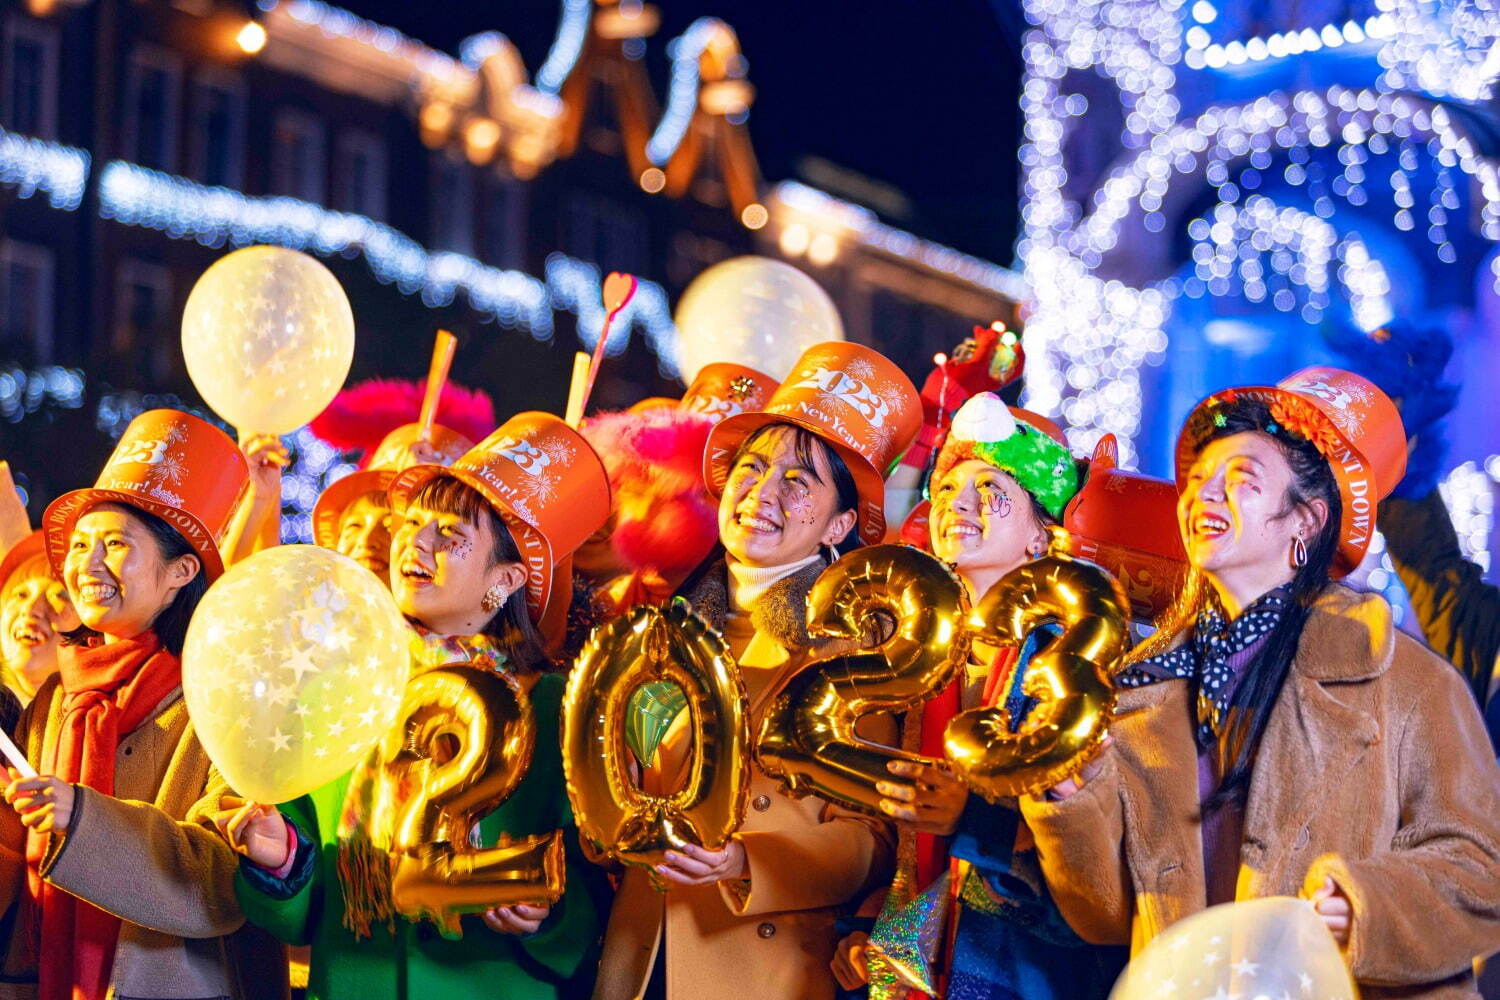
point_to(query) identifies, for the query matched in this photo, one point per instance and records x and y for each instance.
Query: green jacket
(416, 962)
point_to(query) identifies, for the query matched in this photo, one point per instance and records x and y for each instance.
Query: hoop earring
(493, 599)
(1299, 553)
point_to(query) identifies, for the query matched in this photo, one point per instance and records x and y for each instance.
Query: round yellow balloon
(753, 311)
(268, 336)
(294, 666)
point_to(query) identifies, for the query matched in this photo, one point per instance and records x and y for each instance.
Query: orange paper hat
(184, 470)
(723, 390)
(34, 544)
(1354, 426)
(853, 398)
(391, 457)
(548, 485)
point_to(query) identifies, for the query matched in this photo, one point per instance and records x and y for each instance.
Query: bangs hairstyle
(1263, 678)
(511, 627)
(805, 445)
(171, 623)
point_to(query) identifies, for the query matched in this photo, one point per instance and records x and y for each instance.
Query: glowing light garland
(1088, 336)
(1468, 492)
(567, 47)
(1450, 49)
(31, 165)
(1201, 53)
(682, 95)
(217, 217)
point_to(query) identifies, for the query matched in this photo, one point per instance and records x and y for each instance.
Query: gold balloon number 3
(464, 743)
(916, 606)
(1070, 677)
(612, 810)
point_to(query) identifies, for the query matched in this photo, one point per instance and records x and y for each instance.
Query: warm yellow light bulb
(251, 38)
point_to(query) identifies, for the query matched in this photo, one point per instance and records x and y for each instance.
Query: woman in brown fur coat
(1279, 736)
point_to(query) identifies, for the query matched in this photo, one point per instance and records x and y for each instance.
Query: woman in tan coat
(797, 480)
(1279, 736)
(117, 888)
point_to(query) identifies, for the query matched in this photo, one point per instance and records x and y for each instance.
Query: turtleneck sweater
(748, 583)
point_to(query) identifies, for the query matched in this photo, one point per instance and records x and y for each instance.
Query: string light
(682, 95)
(31, 165)
(1469, 493)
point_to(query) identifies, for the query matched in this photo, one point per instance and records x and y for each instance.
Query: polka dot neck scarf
(1204, 659)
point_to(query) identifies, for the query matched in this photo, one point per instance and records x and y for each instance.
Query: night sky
(919, 94)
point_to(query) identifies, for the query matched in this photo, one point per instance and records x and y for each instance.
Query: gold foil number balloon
(1070, 677)
(807, 738)
(464, 743)
(268, 336)
(292, 668)
(656, 644)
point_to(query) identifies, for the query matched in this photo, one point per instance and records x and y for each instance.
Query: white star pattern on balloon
(1265, 949)
(293, 667)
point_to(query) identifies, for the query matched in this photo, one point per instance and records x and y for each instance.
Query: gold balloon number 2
(611, 808)
(915, 606)
(808, 737)
(463, 743)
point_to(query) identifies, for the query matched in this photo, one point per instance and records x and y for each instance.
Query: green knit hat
(986, 429)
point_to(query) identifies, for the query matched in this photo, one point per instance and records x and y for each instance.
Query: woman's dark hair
(171, 623)
(511, 627)
(1263, 678)
(804, 442)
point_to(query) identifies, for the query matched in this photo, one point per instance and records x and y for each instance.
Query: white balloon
(294, 665)
(1261, 948)
(753, 311)
(268, 336)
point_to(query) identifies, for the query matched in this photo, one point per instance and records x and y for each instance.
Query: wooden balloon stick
(437, 377)
(577, 394)
(15, 756)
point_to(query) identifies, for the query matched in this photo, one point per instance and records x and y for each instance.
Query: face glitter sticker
(798, 504)
(457, 546)
(995, 501)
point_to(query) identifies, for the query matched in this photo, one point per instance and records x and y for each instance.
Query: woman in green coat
(474, 557)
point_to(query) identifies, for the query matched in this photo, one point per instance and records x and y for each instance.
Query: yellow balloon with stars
(294, 665)
(268, 337)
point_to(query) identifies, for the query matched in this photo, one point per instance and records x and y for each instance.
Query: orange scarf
(107, 692)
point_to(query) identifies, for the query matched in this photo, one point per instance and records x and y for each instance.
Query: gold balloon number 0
(611, 808)
(463, 743)
(808, 737)
(914, 605)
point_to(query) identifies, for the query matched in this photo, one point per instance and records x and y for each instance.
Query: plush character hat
(1028, 446)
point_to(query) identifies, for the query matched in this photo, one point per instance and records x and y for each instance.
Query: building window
(452, 203)
(361, 174)
(505, 223)
(151, 103)
(219, 129)
(298, 159)
(143, 317)
(606, 233)
(30, 102)
(26, 280)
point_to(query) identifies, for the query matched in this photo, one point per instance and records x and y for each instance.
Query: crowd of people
(1276, 734)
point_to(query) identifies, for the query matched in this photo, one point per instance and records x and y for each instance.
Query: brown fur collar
(781, 612)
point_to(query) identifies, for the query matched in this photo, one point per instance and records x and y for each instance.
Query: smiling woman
(124, 780)
(795, 480)
(35, 612)
(1278, 735)
(479, 565)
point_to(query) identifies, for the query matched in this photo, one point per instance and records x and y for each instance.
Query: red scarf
(107, 692)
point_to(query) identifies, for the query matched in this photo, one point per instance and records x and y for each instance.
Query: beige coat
(149, 856)
(1374, 769)
(770, 937)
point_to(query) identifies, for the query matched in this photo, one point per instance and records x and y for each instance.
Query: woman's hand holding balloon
(1330, 903)
(930, 802)
(518, 919)
(44, 803)
(254, 830)
(848, 963)
(694, 865)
